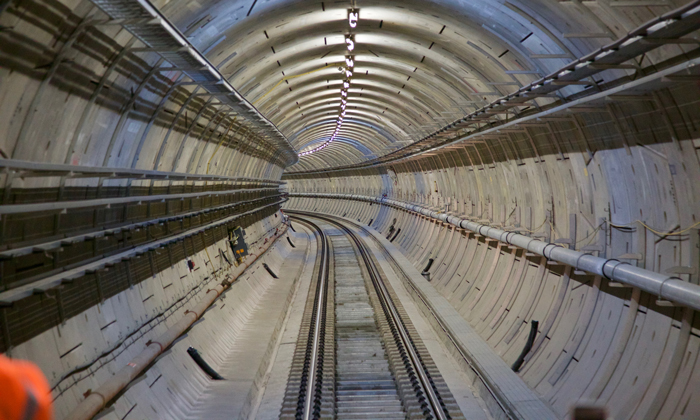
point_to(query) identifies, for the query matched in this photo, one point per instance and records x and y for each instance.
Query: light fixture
(353, 18)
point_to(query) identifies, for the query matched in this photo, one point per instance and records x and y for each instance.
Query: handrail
(664, 286)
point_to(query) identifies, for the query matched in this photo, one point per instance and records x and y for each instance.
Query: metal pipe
(97, 399)
(664, 286)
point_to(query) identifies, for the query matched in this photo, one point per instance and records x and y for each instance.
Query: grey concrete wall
(87, 349)
(72, 90)
(596, 342)
(75, 93)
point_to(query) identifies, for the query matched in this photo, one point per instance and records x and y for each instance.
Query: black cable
(194, 354)
(528, 346)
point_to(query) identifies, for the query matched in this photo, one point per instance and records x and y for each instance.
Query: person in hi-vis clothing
(24, 391)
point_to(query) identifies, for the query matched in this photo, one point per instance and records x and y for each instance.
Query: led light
(351, 44)
(349, 62)
(343, 101)
(353, 17)
(343, 93)
(342, 113)
(342, 106)
(348, 73)
(346, 85)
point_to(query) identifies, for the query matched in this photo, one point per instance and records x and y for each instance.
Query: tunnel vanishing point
(353, 209)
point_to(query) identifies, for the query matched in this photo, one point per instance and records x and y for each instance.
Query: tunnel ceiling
(418, 65)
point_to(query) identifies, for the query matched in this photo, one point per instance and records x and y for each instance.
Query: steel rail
(388, 305)
(500, 400)
(665, 286)
(392, 314)
(320, 301)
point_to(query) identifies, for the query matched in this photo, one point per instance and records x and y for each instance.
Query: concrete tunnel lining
(118, 168)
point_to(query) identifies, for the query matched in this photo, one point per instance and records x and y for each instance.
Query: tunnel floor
(262, 354)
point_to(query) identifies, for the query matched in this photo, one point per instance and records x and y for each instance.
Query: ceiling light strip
(353, 19)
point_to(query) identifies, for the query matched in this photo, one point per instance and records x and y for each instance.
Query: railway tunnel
(353, 209)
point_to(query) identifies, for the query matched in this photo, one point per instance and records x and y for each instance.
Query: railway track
(358, 355)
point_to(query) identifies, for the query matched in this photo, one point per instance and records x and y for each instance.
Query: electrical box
(236, 239)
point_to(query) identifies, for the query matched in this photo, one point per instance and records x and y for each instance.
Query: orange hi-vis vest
(24, 391)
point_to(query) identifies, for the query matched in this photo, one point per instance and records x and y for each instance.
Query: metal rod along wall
(662, 285)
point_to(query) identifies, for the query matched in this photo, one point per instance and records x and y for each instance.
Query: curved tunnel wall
(89, 347)
(77, 92)
(596, 341)
(76, 89)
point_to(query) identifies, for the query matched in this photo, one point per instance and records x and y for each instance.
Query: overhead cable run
(147, 24)
(662, 30)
